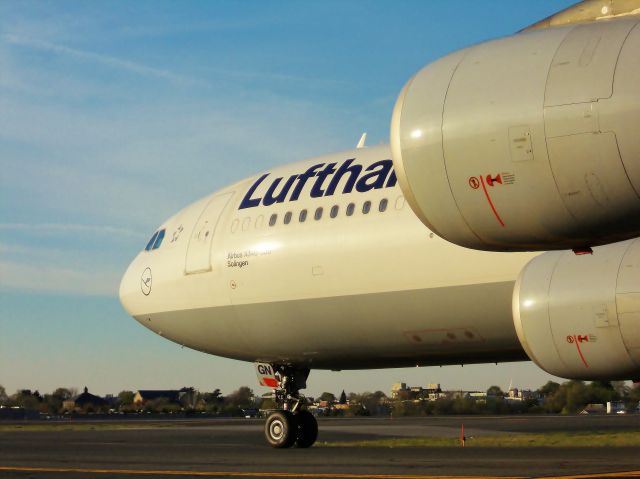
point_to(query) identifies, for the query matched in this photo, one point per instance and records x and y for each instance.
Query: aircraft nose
(130, 289)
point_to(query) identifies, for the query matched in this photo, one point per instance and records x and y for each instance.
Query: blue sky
(114, 115)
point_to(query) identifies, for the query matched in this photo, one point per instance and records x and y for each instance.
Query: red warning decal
(503, 178)
(492, 181)
(579, 339)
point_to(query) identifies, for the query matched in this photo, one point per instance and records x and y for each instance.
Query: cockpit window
(159, 239)
(151, 241)
(155, 241)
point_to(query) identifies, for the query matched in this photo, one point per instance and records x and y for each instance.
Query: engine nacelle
(578, 316)
(531, 142)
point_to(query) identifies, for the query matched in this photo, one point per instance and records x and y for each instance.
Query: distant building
(594, 409)
(144, 396)
(615, 407)
(84, 401)
(111, 400)
(399, 391)
(430, 392)
(514, 395)
(88, 399)
(433, 391)
(476, 395)
(461, 394)
(17, 413)
(185, 397)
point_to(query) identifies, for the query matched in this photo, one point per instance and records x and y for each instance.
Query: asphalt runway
(235, 448)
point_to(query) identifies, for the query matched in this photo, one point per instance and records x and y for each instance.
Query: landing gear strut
(290, 424)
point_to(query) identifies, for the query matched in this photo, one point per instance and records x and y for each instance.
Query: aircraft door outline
(198, 255)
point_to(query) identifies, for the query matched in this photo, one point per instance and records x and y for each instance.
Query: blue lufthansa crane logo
(145, 282)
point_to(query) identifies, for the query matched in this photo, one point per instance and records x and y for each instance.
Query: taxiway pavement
(236, 448)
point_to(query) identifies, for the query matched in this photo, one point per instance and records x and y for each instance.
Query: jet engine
(526, 143)
(578, 316)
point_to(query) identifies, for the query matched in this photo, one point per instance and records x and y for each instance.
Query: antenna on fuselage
(363, 138)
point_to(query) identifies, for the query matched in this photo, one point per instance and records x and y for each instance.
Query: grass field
(91, 426)
(552, 439)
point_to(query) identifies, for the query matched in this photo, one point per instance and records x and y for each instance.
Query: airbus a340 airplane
(428, 252)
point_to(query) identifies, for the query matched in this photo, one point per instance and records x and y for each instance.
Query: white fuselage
(374, 289)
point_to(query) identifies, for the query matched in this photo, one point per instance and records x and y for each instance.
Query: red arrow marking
(486, 193)
(577, 342)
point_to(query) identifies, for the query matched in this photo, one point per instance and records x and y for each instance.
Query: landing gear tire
(306, 429)
(280, 430)
(291, 423)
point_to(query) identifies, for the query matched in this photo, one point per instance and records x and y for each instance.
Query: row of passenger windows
(319, 213)
(333, 212)
(155, 241)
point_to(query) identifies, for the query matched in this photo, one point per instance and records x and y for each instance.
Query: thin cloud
(107, 60)
(61, 280)
(262, 76)
(62, 228)
(156, 28)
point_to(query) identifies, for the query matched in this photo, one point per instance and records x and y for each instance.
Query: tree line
(213, 403)
(567, 398)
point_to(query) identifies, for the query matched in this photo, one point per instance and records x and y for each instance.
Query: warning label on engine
(488, 182)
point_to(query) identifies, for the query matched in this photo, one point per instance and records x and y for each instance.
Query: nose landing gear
(290, 424)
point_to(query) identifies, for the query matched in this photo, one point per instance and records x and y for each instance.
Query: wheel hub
(276, 430)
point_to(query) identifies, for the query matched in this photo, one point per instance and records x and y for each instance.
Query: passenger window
(159, 239)
(287, 218)
(259, 222)
(246, 223)
(234, 225)
(318, 214)
(383, 205)
(151, 241)
(366, 207)
(303, 216)
(400, 202)
(351, 207)
(334, 211)
(273, 219)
